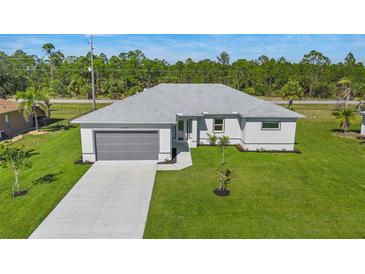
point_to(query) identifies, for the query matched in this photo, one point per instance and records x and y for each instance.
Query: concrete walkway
(183, 159)
(111, 200)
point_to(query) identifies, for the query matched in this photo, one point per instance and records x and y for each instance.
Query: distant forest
(123, 75)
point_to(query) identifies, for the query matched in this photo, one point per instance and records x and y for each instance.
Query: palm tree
(346, 117)
(292, 90)
(346, 83)
(31, 101)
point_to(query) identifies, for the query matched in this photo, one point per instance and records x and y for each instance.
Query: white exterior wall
(248, 133)
(165, 144)
(87, 144)
(254, 137)
(363, 125)
(244, 131)
(87, 137)
(232, 129)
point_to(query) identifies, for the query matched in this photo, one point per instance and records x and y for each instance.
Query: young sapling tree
(14, 158)
(225, 173)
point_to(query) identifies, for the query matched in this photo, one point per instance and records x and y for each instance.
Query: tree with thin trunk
(223, 58)
(49, 49)
(223, 142)
(314, 63)
(346, 117)
(31, 102)
(15, 159)
(225, 173)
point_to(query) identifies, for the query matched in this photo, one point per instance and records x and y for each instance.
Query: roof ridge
(161, 103)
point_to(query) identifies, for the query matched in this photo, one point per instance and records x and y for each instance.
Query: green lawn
(317, 194)
(51, 177)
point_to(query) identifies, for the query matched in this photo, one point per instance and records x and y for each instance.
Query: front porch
(185, 132)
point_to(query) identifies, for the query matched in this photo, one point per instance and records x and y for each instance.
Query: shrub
(212, 139)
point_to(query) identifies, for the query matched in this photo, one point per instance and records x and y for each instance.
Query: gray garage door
(126, 145)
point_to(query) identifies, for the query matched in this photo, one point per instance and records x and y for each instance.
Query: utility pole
(92, 73)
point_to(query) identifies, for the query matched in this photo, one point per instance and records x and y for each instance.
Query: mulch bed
(221, 193)
(241, 149)
(81, 162)
(20, 193)
(348, 135)
(172, 161)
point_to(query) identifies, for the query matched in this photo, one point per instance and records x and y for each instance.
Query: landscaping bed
(241, 149)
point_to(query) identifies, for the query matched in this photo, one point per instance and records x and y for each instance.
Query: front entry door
(181, 130)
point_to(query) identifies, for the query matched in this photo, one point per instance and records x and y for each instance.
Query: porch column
(194, 132)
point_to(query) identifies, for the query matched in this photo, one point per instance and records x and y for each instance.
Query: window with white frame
(218, 125)
(270, 125)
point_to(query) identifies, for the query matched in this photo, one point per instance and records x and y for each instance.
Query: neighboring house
(363, 123)
(12, 121)
(148, 125)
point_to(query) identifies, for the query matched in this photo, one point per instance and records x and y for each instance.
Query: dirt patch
(17, 138)
(39, 132)
(349, 135)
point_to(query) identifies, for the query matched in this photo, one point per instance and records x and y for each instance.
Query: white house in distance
(148, 125)
(362, 132)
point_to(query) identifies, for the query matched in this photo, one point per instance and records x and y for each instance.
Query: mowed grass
(319, 193)
(52, 175)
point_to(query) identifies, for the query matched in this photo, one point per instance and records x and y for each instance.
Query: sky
(176, 47)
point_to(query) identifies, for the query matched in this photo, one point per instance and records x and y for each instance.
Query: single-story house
(363, 123)
(12, 122)
(148, 125)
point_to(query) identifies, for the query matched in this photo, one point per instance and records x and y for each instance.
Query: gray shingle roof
(161, 103)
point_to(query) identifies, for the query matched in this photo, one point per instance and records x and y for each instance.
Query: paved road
(315, 102)
(297, 102)
(79, 101)
(111, 200)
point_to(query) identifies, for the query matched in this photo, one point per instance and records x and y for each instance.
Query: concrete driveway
(111, 200)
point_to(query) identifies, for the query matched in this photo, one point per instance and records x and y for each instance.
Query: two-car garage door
(126, 145)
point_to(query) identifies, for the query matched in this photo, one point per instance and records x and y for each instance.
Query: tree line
(127, 73)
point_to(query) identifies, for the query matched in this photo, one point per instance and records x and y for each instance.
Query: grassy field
(51, 177)
(319, 193)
